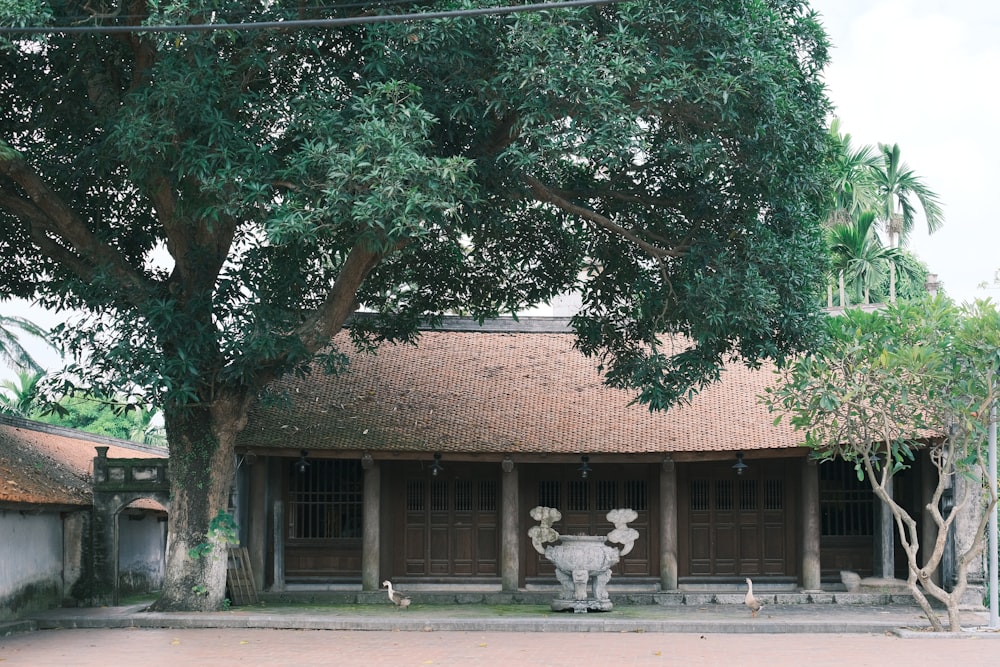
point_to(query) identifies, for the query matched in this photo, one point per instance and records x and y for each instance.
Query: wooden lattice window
(577, 499)
(846, 504)
(325, 500)
(748, 495)
(607, 495)
(635, 494)
(548, 493)
(488, 496)
(699, 495)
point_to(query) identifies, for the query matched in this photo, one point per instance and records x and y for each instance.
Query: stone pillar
(668, 525)
(510, 533)
(371, 512)
(104, 537)
(811, 566)
(929, 529)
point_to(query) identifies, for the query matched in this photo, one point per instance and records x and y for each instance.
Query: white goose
(401, 601)
(750, 601)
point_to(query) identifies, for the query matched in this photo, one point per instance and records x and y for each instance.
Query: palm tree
(899, 192)
(858, 257)
(854, 184)
(20, 399)
(12, 352)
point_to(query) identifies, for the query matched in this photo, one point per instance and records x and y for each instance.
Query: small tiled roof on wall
(502, 392)
(43, 465)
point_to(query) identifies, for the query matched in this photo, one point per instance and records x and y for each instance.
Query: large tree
(887, 385)
(670, 153)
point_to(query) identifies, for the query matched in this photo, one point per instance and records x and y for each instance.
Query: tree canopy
(218, 203)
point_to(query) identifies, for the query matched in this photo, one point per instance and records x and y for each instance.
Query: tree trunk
(911, 545)
(199, 526)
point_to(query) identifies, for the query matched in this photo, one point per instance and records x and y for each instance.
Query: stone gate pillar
(811, 565)
(118, 482)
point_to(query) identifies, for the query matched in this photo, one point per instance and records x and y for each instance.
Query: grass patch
(518, 609)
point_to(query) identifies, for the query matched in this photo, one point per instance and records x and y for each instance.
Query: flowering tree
(889, 384)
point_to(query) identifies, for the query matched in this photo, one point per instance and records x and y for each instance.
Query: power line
(302, 23)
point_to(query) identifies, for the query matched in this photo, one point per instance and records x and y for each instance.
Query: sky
(922, 74)
(918, 73)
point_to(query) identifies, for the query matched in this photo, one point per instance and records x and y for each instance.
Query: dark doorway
(323, 519)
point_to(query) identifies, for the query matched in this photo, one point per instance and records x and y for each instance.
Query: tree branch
(45, 213)
(341, 301)
(548, 196)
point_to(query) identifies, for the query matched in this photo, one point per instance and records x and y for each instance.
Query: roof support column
(257, 510)
(510, 533)
(811, 566)
(883, 561)
(278, 535)
(668, 525)
(371, 529)
(929, 535)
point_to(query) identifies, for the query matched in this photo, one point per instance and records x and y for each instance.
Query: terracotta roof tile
(506, 393)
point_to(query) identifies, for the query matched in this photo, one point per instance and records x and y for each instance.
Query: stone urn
(583, 562)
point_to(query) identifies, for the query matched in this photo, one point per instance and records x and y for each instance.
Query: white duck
(750, 601)
(401, 601)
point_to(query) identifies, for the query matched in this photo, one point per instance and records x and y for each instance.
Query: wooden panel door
(450, 527)
(736, 526)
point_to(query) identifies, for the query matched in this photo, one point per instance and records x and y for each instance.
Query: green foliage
(875, 189)
(676, 148)
(222, 529)
(102, 416)
(12, 352)
(888, 384)
(216, 204)
(916, 374)
(21, 398)
(20, 13)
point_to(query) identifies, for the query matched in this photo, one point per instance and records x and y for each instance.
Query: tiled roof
(45, 465)
(476, 392)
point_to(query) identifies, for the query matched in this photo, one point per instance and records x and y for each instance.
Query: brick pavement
(225, 647)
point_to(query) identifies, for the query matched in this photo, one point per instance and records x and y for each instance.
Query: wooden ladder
(239, 579)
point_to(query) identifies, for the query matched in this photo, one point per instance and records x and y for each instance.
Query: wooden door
(450, 527)
(737, 525)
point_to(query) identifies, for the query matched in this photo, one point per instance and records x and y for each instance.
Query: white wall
(31, 561)
(141, 548)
